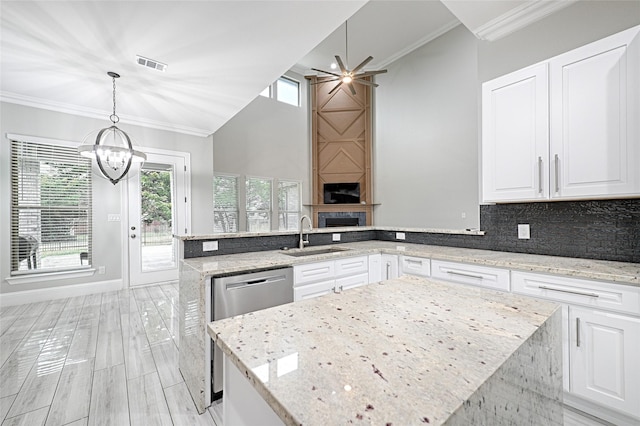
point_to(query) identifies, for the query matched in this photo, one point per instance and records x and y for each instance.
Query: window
(258, 204)
(288, 91)
(284, 90)
(288, 205)
(50, 207)
(225, 203)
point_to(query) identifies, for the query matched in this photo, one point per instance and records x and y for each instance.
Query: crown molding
(518, 18)
(34, 102)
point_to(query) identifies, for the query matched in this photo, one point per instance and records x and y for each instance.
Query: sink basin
(314, 252)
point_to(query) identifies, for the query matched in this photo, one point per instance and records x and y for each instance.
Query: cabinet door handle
(539, 175)
(578, 332)
(557, 174)
(388, 270)
(419, 262)
(581, 293)
(462, 274)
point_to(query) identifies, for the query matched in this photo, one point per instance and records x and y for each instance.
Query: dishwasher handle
(258, 281)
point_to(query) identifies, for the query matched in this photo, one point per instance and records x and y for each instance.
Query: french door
(158, 210)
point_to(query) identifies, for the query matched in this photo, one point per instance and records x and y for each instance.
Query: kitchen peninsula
(402, 352)
(601, 287)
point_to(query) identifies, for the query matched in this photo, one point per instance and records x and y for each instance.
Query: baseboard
(604, 415)
(62, 292)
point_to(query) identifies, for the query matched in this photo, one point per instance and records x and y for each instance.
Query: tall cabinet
(566, 128)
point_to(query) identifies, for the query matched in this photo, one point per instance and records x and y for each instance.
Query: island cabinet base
(242, 405)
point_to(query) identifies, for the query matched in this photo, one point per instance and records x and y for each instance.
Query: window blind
(50, 208)
(225, 203)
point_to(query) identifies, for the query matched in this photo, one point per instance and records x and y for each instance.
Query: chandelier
(112, 150)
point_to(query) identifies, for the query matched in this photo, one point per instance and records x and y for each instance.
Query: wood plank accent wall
(341, 144)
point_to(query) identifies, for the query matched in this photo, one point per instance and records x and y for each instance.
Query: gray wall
(107, 198)
(426, 138)
(267, 139)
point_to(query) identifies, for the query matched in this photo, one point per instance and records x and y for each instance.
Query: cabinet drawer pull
(557, 173)
(539, 175)
(578, 332)
(419, 262)
(462, 274)
(544, 287)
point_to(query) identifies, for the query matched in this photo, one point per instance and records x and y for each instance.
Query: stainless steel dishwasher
(241, 294)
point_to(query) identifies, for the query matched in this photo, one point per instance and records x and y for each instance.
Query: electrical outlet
(111, 217)
(102, 270)
(400, 236)
(209, 245)
(524, 233)
(335, 237)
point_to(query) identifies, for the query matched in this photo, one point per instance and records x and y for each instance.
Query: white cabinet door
(390, 267)
(604, 358)
(594, 118)
(310, 291)
(515, 136)
(375, 268)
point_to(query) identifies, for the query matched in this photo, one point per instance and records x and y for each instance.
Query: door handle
(133, 235)
(578, 332)
(539, 175)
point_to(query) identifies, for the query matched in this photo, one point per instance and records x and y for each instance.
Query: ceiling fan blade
(324, 80)
(341, 64)
(326, 72)
(362, 64)
(368, 73)
(353, 89)
(335, 88)
(365, 82)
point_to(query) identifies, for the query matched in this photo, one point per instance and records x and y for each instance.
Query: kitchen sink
(314, 252)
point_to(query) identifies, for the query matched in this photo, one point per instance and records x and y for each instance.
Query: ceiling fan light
(347, 79)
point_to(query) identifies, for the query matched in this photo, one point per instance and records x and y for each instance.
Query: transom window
(50, 207)
(285, 90)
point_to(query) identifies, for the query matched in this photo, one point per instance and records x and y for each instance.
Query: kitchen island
(405, 351)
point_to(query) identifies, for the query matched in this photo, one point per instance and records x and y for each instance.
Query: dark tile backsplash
(604, 229)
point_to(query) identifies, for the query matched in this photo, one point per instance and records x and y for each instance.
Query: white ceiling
(220, 54)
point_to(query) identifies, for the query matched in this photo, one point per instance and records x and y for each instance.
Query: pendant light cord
(114, 117)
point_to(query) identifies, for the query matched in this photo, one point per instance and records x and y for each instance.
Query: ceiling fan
(347, 76)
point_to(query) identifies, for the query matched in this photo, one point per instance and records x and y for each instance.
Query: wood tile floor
(102, 359)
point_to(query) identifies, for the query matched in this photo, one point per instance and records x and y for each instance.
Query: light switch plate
(209, 245)
(400, 236)
(524, 233)
(335, 237)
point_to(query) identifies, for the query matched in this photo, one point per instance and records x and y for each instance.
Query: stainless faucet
(304, 242)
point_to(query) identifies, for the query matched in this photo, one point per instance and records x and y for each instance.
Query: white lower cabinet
(375, 268)
(412, 265)
(483, 276)
(602, 342)
(320, 278)
(605, 358)
(309, 291)
(390, 267)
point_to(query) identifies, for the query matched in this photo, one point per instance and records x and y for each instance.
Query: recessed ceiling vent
(150, 63)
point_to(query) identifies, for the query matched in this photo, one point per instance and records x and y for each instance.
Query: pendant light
(112, 150)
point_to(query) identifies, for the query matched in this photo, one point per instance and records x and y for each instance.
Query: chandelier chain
(114, 117)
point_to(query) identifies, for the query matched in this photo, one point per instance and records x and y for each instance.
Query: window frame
(284, 212)
(273, 91)
(269, 212)
(40, 274)
(237, 210)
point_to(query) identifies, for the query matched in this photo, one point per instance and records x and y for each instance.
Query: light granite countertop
(405, 351)
(616, 272)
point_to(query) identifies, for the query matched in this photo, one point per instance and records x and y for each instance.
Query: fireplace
(331, 219)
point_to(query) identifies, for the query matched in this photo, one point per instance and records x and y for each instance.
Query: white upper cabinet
(515, 135)
(594, 118)
(566, 128)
